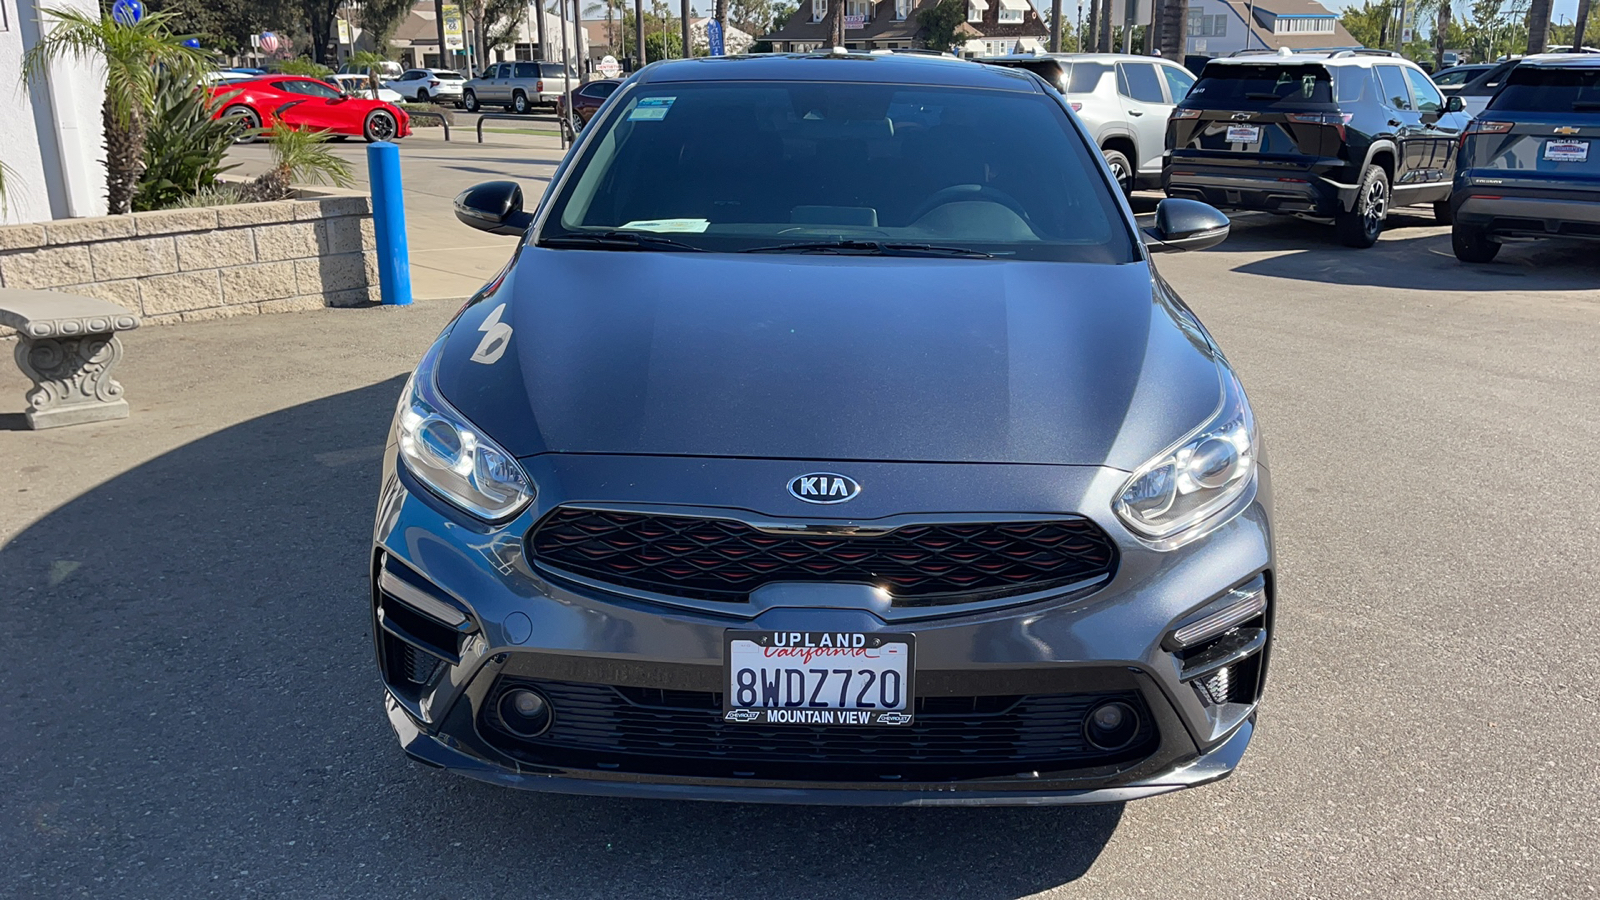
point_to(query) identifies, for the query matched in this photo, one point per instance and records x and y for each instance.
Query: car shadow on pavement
(191, 709)
(1405, 258)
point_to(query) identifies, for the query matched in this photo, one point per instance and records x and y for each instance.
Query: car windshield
(786, 167)
(1550, 89)
(1267, 87)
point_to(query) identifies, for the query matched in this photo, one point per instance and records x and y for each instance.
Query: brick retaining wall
(187, 265)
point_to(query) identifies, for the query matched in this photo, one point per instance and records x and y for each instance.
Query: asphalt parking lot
(190, 706)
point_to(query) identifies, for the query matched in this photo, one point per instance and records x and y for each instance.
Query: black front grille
(919, 565)
(607, 728)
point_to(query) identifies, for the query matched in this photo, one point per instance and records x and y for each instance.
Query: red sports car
(309, 103)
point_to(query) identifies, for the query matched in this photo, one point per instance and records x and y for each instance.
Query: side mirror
(1454, 104)
(495, 207)
(1185, 225)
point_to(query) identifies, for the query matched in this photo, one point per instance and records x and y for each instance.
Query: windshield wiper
(618, 240)
(871, 248)
(1262, 95)
(1585, 104)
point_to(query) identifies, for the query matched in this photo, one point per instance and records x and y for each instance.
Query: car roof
(895, 68)
(1337, 56)
(1071, 57)
(1563, 60)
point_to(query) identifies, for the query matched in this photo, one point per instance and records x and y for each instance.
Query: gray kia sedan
(828, 438)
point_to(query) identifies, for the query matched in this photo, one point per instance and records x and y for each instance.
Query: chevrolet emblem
(1567, 129)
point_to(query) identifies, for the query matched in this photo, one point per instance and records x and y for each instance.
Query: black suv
(1530, 164)
(1342, 135)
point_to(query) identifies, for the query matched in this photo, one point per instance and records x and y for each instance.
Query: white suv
(1122, 100)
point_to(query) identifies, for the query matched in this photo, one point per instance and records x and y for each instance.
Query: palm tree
(130, 55)
(298, 155)
(1441, 33)
(1580, 21)
(1538, 26)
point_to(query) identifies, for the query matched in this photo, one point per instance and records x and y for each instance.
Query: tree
(131, 54)
(1102, 42)
(1538, 26)
(380, 19)
(1441, 33)
(1579, 23)
(228, 24)
(836, 23)
(939, 23)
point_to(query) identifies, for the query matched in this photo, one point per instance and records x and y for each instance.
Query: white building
(50, 135)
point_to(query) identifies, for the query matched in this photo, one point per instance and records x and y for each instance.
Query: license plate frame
(1244, 134)
(1566, 150)
(805, 651)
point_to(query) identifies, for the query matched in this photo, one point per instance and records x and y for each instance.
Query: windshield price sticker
(651, 109)
(818, 678)
(1566, 151)
(1244, 134)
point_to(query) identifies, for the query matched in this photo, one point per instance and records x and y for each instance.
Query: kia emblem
(824, 487)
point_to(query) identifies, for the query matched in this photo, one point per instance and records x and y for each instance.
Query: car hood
(830, 358)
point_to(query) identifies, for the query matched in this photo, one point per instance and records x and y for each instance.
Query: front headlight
(1199, 476)
(450, 455)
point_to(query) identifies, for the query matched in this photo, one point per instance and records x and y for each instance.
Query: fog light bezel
(518, 724)
(1119, 738)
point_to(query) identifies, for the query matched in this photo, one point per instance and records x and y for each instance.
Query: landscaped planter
(188, 265)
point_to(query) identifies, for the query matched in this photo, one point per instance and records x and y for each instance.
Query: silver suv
(1122, 100)
(517, 86)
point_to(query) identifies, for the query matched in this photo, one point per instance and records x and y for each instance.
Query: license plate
(818, 678)
(1244, 134)
(1566, 151)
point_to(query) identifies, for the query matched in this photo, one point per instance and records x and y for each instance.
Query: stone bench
(68, 346)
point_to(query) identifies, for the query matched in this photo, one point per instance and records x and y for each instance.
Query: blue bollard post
(389, 221)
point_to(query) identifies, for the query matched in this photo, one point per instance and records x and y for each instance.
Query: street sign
(344, 31)
(609, 67)
(127, 12)
(714, 37)
(454, 35)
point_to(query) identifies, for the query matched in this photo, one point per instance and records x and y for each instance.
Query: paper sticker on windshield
(651, 109)
(670, 226)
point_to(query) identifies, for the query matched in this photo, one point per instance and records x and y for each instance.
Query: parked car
(1123, 100)
(586, 101)
(1450, 80)
(1530, 165)
(517, 86)
(1007, 541)
(1477, 91)
(387, 70)
(360, 86)
(1344, 136)
(308, 103)
(429, 85)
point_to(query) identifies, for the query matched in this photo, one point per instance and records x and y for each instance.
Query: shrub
(184, 146)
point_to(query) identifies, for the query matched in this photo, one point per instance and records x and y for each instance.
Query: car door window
(1139, 81)
(1179, 81)
(599, 91)
(1428, 97)
(502, 71)
(308, 88)
(1396, 95)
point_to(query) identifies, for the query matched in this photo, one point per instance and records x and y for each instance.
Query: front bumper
(520, 623)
